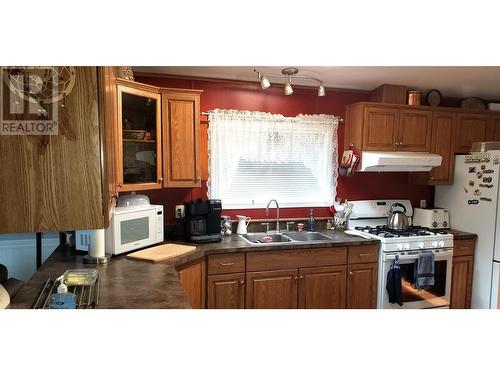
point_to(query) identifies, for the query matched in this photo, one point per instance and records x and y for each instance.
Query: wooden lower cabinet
(272, 289)
(362, 286)
(461, 282)
(322, 287)
(226, 291)
(192, 277)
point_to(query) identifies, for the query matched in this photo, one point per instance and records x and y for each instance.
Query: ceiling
(459, 82)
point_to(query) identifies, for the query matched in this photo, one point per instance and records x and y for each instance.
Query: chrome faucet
(277, 213)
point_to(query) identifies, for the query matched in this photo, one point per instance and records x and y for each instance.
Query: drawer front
(363, 254)
(226, 263)
(282, 259)
(463, 247)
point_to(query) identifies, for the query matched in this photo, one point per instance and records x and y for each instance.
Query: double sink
(272, 238)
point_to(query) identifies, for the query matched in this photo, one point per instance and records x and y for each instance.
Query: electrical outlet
(179, 211)
(423, 203)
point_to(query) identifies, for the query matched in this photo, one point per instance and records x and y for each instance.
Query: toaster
(434, 218)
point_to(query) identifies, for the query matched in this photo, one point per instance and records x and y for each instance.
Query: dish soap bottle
(311, 222)
(62, 299)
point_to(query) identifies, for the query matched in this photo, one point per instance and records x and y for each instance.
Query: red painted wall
(248, 96)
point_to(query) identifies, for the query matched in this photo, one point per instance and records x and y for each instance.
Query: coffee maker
(202, 221)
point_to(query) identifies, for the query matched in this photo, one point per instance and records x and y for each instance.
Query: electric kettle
(243, 222)
(396, 218)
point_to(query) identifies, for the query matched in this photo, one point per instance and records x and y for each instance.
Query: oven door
(435, 296)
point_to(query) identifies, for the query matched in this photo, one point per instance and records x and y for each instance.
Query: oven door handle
(438, 255)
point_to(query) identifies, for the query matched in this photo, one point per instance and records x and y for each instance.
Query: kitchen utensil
(473, 103)
(84, 276)
(414, 97)
(433, 98)
(397, 219)
(226, 225)
(243, 222)
(133, 199)
(161, 252)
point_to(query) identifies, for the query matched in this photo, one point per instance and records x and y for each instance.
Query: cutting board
(161, 252)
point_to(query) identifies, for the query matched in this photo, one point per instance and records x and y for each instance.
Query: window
(255, 157)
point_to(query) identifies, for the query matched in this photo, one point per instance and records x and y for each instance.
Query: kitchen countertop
(460, 235)
(133, 284)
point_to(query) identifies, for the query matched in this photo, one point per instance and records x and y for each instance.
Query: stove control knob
(441, 243)
(420, 245)
(434, 244)
(445, 224)
(434, 224)
(399, 247)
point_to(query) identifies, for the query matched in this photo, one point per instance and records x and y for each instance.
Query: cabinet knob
(160, 179)
(120, 184)
(401, 143)
(242, 282)
(295, 278)
(301, 276)
(198, 178)
(350, 273)
(396, 144)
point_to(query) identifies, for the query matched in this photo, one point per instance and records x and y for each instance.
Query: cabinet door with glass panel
(139, 139)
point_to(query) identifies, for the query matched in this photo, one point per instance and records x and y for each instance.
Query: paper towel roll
(96, 247)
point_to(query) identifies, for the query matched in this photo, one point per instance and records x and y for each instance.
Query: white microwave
(133, 228)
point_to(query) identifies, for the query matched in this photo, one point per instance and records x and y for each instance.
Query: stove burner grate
(411, 231)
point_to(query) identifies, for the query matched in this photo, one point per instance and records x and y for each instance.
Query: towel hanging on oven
(424, 270)
(393, 285)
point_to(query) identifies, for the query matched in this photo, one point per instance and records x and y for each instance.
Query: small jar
(414, 97)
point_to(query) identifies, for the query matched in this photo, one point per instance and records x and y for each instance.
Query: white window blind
(255, 157)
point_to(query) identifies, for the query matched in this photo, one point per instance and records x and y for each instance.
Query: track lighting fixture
(288, 73)
(288, 87)
(264, 82)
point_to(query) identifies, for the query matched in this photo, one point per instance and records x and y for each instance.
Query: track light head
(264, 82)
(321, 90)
(288, 87)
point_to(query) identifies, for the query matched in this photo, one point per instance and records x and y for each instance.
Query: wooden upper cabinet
(362, 286)
(181, 122)
(443, 128)
(322, 287)
(380, 129)
(414, 131)
(493, 133)
(53, 183)
(139, 140)
(470, 128)
(272, 289)
(226, 291)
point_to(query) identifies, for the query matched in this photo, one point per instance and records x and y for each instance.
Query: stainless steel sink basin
(276, 238)
(308, 236)
(258, 238)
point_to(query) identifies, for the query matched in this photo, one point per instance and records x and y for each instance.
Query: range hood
(399, 161)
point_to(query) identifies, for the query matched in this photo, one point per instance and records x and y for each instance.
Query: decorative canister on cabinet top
(414, 97)
(125, 72)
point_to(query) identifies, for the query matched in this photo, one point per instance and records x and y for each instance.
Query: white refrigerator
(472, 201)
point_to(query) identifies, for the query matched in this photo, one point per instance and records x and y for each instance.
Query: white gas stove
(368, 219)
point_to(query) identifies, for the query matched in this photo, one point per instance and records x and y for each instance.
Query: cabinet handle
(227, 264)
(463, 247)
(120, 184)
(364, 254)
